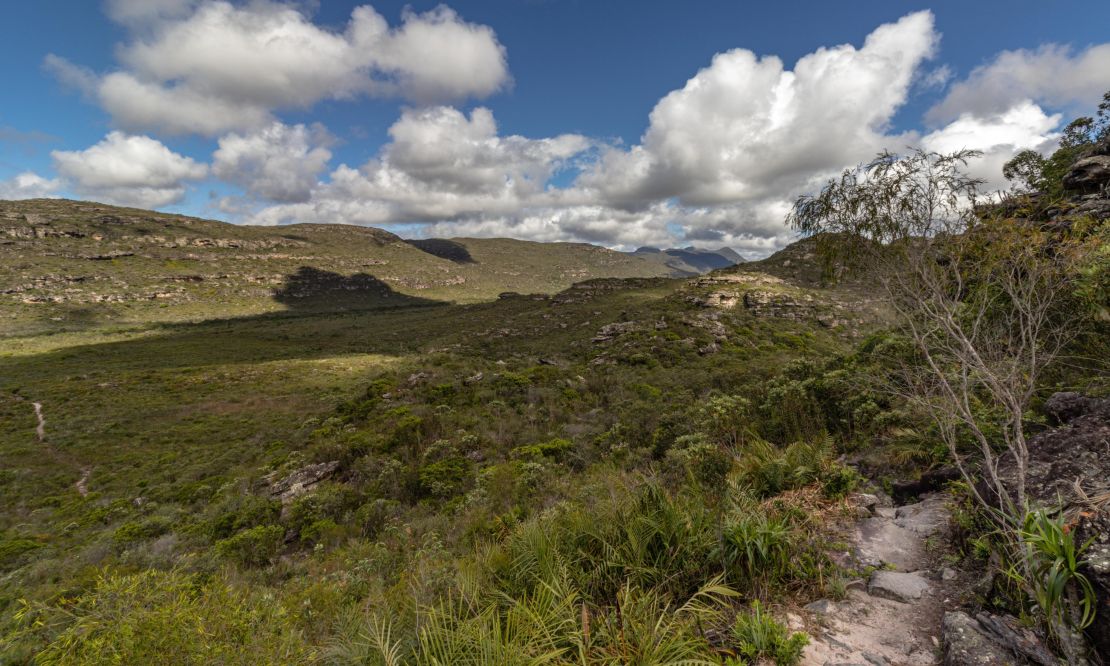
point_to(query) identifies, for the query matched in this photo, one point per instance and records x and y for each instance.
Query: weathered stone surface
(898, 586)
(726, 300)
(1065, 406)
(610, 331)
(301, 481)
(966, 645)
(774, 304)
(927, 517)
(821, 607)
(1089, 173)
(1072, 463)
(879, 542)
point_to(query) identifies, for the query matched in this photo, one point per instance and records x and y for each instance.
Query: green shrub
(760, 637)
(767, 470)
(699, 461)
(555, 448)
(757, 549)
(330, 500)
(726, 419)
(253, 547)
(239, 512)
(445, 478)
(12, 549)
(323, 531)
(839, 481)
(157, 617)
(137, 530)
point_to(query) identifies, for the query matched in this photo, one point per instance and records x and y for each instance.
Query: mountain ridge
(73, 260)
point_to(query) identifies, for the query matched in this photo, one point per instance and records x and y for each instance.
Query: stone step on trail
(898, 586)
(894, 615)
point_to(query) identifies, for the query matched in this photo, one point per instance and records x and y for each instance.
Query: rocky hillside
(73, 264)
(689, 261)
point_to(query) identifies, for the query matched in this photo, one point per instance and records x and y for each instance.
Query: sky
(617, 122)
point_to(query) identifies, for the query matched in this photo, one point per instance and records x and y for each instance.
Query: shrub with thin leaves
(759, 637)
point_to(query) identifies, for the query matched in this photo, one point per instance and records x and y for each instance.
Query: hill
(70, 264)
(689, 261)
(633, 469)
(300, 428)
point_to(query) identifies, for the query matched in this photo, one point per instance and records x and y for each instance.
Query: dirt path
(893, 617)
(40, 429)
(82, 484)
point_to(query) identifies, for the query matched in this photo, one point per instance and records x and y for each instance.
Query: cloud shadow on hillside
(314, 289)
(444, 249)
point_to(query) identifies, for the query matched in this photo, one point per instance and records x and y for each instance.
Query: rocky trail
(894, 616)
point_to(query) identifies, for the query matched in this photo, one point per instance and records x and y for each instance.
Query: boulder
(897, 586)
(610, 331)
(1089, 174)
(301, 481)
(1064, 406)
(965, 644)
(925, 518)
(821, 607)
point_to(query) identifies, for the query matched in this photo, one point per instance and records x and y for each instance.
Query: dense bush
(167, 617)
(253, 547)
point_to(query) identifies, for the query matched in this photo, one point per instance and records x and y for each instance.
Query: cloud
(999, 136)
(146, 13)
(70, 75)
(755, 231)
(207, 67)
(176, 109)
(936, 78)
(128, 171)
(440, 164)
(1052, 75)
(279, 162)
(746, 128)
(720, 163)
(28, 185)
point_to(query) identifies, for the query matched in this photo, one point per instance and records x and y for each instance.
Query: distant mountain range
(688, 261)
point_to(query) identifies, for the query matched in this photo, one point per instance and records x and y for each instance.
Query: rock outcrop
(1072, 462)
(301, 481)
(1089, 174)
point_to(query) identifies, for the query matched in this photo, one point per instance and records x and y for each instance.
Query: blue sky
(582, 131)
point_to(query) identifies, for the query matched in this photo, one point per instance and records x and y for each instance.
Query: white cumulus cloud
(279, 162)
(1050, 75)
(440, 164)
(998, 136)
(720, 162)
(28, 185)
(747, 128)
(209, 66)
(129, 171)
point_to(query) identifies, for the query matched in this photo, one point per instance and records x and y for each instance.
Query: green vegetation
(762, 638)
(1034, 173)
(504, 476)
(75, 266)
(995, 303)
(393, 469)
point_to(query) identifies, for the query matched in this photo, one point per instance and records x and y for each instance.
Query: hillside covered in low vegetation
(632, 469)
(69, 265)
